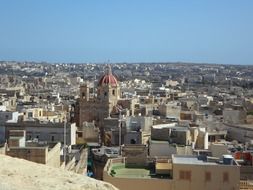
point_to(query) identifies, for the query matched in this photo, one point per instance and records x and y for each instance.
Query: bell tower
(85, 92)
(108, 90)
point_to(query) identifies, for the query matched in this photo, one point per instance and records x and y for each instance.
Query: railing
(245, 185)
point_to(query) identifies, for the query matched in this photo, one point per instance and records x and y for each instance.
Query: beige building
(165, 149)
(170, 110)
(194, 174)
(88, 132)
(182, 172)
(103, 102)
(43, 115)
(232, 116)
(241, 132)
(218, 149)
(48, 132)
(172, 133)
(97, 107)
(48, 154)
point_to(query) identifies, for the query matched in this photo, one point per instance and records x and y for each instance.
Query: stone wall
(136, 155)
(135, 184)
(33, 154)
(53, 156)
(246, 172)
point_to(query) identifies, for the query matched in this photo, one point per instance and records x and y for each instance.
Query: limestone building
(97, 104)
(97, 107)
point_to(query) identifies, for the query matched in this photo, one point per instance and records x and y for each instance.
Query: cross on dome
(108, 78)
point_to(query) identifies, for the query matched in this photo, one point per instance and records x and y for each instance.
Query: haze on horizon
(210, 31)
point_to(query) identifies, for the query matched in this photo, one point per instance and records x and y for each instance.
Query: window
(83, 95)
(79, 134)
(52, 138)
(30, 114)
(173, 134)
(113, 92)
(181, 175)
(225, 177)
(133, 141)
(185, 175)
(207, 176)
(188, 175)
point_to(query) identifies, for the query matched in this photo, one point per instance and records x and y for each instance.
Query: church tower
(85, 92)
(96, 108)
(108, 91)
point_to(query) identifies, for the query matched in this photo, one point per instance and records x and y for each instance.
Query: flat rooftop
(241, 126)
(190, 160)
(123, 172)
(162, 126)
(119, 170)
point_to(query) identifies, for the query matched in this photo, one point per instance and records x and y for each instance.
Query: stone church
(97, 104)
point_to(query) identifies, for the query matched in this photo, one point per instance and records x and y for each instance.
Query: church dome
(108, 79)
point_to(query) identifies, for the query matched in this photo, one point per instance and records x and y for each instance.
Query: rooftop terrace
(117, 168)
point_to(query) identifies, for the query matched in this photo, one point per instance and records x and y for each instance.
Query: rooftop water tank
(227, 159)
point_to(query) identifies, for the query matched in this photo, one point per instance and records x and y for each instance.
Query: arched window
(133, 141)
(113, 92)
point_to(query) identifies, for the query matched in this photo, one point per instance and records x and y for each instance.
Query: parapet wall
(134, 183)
(53, 156)
(37, 155)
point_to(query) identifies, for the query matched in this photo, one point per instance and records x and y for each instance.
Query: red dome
(108, 79)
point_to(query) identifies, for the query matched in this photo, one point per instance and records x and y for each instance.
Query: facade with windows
(179, 173)
(48, 132)
(6, 116)
(193, 173)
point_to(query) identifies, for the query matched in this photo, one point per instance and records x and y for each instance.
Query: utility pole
(64, 140)
(120, 130)
(173, 93)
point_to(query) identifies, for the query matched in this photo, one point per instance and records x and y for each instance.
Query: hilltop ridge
(16, 174)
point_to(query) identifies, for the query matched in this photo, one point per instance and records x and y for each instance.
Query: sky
(202, 31)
